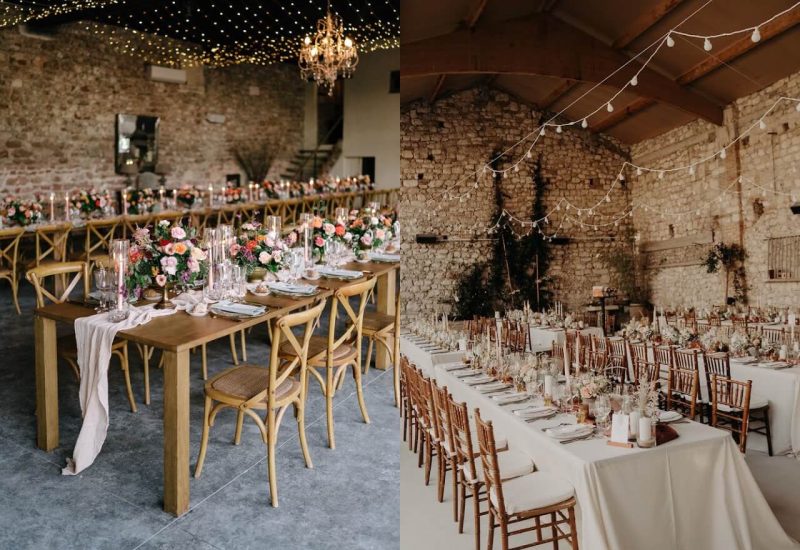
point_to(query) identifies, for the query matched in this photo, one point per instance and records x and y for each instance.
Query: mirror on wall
(136, 144)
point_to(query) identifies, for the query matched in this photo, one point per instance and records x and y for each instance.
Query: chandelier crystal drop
(329, 54)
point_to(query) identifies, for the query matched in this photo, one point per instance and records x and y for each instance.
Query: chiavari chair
(682, 390)
(529, 497)
(405, 398)
(596, 361)
(702, 329)
(334, 353)
(66, 345)
(446, 453)
(426, 432)
(714, 320)
(584, 347)
(9, 260)
(251, 388)
(718, 364)
(774, 335)
(571, 340)
(618, 352)
(97, 241)
(730, 407)
(470, 475)
(739, 321)
(690, 320)
(383, 329)
(686, 358)
(671, 319)
(599, 344)
(644, 369)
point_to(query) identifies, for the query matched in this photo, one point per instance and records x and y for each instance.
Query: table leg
(386, 289)
(176, 432)
(46, 384)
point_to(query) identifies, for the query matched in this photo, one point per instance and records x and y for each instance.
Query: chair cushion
(532, 491)
(317, 345)
(376, 322)
(512, 464)
(245, 381)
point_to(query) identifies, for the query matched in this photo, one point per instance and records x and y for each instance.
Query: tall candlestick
(52, 207)
(161, 197)
(124, 202)
(210, 195)
(66, 206)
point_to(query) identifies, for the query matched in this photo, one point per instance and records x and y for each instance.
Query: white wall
(372, 119)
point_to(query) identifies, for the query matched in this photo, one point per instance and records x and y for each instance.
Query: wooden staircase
(310, 163)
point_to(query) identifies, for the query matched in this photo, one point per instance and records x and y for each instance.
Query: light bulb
(608, 199)
(762, 124)
(610, 107)
(348, 43)
(707, 45)
(541, 132)
(638, 171)
(723, 154)
(634, 80)
(756, 36)
(585, 124)
(621, 177)
(528, 154)
(558, 129)
(797, 107)
(691, 169)
(661, 175)
(516, 168)
(670, 41)
(307, 40)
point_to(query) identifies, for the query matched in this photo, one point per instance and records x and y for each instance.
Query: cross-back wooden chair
(529, 497)
(730, 407)
(51, 243)
(383, 329)
(682, 392)
(97, 241)
(250, 388)
(446, 453)
(470, 473)
(66, 346)
(718, 364)
(334, 353)
(228, 215)
(9, 260)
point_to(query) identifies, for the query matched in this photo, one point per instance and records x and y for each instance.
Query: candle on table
(499, 325)
(210, 195)
(566, 363)
(161, 197)
(52, 207)
(66, 206)
(124, 202)
(548, 385)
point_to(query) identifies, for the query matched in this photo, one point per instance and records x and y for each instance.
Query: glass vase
(119, 260)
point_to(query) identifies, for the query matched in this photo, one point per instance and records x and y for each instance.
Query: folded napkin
(467, 373)
(570, 430)
(535, 411)
(340, 273)
(510, 397)
(292, 288)
(479, 380)
(488, 388)
(94, 336)
(239, 309)
(454, 366)
(187, 300)
(665, 434)
(385, 257)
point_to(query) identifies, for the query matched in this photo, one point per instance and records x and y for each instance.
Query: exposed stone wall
(444, 143)
(58, 101)
(712, 191)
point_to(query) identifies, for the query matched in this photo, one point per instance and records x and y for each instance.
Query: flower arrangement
(169, 256)
(589, 386)
(647, 398)
(255, 249)
(688, 338)
(186, 196)
(369, 231)
(233, 195)
(90, 202)
(140, 201)
(714, 341)
(637, 331)
(21, 212)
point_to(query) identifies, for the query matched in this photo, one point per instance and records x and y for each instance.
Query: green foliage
(729, 257)
(509, 277)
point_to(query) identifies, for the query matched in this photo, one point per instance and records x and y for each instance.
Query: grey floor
(350, 499)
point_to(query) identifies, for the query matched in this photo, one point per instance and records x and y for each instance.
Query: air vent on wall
(165, 74)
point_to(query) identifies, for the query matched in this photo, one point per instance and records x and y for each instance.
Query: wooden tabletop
(182, 331)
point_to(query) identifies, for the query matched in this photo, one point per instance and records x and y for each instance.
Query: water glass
(104, 283)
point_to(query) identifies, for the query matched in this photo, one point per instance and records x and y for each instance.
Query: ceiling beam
(560, 91)
(618, 116)
(740, 47)
(475, 12)
(437, 88)
(642, 23)
(561, 51)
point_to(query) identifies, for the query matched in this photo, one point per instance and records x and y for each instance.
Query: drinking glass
(272, 224)
(119, 259)
(239, 283)
(104, 283)
(341, 215)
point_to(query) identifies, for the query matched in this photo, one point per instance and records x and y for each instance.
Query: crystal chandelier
(329, 54)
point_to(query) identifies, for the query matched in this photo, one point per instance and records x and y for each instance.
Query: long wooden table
(175, 335)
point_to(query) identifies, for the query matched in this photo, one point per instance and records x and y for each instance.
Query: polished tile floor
(350, 499)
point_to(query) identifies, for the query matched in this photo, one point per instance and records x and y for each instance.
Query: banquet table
(693, 492)
(175, 335)
(542, 337)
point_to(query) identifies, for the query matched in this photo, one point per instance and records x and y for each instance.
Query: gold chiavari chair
(584, 347)
(335, 353)
(730, 407)
(250, 388)
(774, 335)
(446, 453)
(686, 358)
(66, 345)
(618, 352)
(714, 320)
(571, 340)
(682, 391)
(596, 361)
(718, 364)
(739, 321)
(9, 260)
(600, 344)
(470, 475)
(97, 241)
(644, 369)
(530, 497)
(383, 329)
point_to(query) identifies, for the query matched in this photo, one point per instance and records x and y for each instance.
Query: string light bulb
(723, 154)
(756, 36)
(762, 125)
(707, 45)
(610, 107)
(558, 129)
(585, 123)
(634, 80)
(670, 41)
(541, 132)
(638, 171)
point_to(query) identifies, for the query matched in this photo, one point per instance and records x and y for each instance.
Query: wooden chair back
(443, 426)
(730, 406)
(774, 335)
(599, 344)
(714, 320)
(281, 369)
(686, 358)
(489, 462)
(584, 347)
(9, 251)
(665, 359)
(99, 234)
(227, 215)
(424, 401)
(132, 223)
(51, 242)
(682, 390)
(462, 437)
(38, 276)
(739, 321)
(645, 369)
(355, 317)
(596, 361)
(618, 350)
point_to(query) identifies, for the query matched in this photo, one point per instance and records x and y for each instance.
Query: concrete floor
(116, 503)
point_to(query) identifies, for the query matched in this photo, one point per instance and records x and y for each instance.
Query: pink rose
(169, 248)
(161, 280)
(328, 228)
(235, 249)
(380, 234)
(319, 241)
(264, 257)
(193, 265)
(178, 233)
(292, 238)
(366, 240)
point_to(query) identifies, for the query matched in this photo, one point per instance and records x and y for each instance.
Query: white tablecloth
(694, 492)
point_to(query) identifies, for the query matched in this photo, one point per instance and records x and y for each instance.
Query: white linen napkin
(340, 273)
(95, 335)
(292, 288)
(385, 257)
(239, 309)
(187, 300)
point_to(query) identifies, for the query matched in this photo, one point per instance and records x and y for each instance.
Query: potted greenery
(731, 258)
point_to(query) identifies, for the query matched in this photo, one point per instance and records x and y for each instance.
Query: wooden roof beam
(560, 91)
(644, 22)
(437, 88)
(475, 13)
(505, 48)
(618, 116)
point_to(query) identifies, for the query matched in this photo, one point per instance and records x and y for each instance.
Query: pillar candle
(66, 206)
(633, 424)
(211, 195)
(499, 324)
(548, 385)
(52, 207)
(124, 202)
(645, 429)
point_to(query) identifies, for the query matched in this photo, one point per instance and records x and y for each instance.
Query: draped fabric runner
(95, 336)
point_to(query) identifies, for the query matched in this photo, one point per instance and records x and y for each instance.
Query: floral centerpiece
(369, 231)
(21, 212)
(168, 257)
(233, 195)
(254, 249)
(588, 386)
(637, 331)
(140, 201)
(715, 341)
(186, 196)
(91, 202)
(740, 343)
